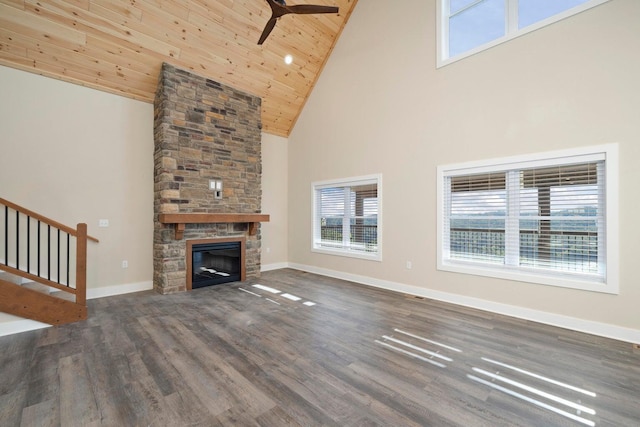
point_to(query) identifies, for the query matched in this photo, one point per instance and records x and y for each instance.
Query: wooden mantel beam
(212, 218)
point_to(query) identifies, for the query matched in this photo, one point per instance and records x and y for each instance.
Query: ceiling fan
(280, 8)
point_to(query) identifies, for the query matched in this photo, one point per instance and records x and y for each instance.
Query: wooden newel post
(81, 265)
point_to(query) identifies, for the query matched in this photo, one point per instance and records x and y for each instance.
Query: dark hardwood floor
(241, 355)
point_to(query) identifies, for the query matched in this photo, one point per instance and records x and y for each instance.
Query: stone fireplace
(205, 133)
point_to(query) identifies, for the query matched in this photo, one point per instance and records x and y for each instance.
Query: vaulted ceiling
(119, 45)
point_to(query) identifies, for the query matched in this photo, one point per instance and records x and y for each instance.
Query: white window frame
(611, 276)
(511, 28)
(315, 221)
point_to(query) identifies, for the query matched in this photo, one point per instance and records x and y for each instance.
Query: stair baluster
(18, 300)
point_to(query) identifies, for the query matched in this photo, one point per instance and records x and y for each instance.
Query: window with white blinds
(347, 217)
(542, 219)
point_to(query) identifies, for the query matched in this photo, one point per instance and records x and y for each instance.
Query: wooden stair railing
(39, 249)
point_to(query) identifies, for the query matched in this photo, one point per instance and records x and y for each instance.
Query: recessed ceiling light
(288, 59)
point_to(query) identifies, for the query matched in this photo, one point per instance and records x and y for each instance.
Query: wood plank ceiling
(119, 45)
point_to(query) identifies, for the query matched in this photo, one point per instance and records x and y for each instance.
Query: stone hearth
(203, 131)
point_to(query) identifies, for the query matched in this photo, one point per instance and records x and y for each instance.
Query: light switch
(216, 186)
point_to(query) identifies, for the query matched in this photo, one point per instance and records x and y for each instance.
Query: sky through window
(473, 23)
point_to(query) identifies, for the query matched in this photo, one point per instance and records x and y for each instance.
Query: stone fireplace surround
(203, 130)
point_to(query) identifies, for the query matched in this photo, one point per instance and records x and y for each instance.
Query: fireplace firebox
(214, 262)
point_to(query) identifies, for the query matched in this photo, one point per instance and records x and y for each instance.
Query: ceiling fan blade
(279, 8)
(267, 30)
(311, 8)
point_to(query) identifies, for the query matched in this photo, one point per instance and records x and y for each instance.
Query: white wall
(76, 155)
(381, 106)
(275, 175)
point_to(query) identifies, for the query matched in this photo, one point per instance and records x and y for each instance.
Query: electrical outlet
(103, 223)
(125, 264)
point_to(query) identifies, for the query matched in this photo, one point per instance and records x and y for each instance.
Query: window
(466, 27)
(547, 219)
(347, 217)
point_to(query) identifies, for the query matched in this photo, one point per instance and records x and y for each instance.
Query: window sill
(348, 253)
(557, 279)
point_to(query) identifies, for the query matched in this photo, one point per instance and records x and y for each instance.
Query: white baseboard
(587, 326)
(274, 266)
(127, 288)
(24, 325)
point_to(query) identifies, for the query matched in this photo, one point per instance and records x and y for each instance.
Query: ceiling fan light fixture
(288, 59)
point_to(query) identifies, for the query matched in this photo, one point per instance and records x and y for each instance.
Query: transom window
(542, 219)
(347, 217)
(469, 26)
